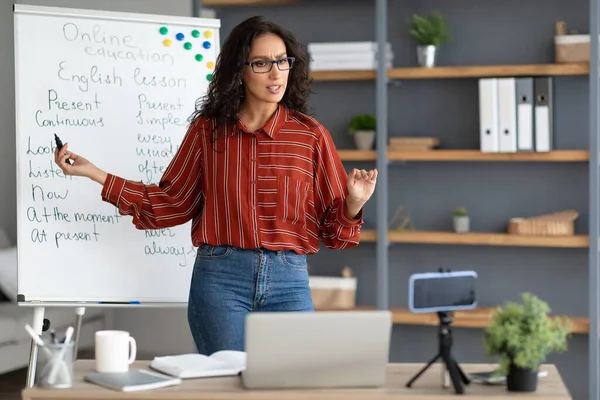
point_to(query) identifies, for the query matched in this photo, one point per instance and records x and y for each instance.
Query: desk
(427, 387)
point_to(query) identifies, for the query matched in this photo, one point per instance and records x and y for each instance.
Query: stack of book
(352, 56)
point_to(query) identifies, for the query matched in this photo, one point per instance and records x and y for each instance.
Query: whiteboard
(119, 88)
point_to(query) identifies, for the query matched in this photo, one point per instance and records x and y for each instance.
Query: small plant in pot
(523, 335)
(363, 127)
(430, 32)
(460, 220)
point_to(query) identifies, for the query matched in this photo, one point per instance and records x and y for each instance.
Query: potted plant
(363, 127)
(430, 32)
(522, 335)
(460, 220)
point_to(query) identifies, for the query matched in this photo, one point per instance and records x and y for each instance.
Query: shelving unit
(382, 157)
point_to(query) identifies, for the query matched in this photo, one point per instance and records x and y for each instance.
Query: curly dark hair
(225, 95)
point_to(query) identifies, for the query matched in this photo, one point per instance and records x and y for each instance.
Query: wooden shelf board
(476, 155)
(244, 2)
(466, 155)
(357, 155)
(476, 71)
(343, 75)
(477, 238)
(489, 70)
(477, 318)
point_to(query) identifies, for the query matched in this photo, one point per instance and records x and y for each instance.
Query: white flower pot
(461, 224)
(364, 140)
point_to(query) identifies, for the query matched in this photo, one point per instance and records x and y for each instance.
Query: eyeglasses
(264, 66)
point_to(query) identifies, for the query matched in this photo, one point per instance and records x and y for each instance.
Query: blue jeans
(229, 282)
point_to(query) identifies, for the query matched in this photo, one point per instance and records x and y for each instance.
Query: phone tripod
(457, 376)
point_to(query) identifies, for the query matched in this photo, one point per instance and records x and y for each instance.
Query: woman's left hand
(361, 185)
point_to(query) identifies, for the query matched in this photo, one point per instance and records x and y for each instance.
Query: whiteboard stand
(38, 325)
(79, 311)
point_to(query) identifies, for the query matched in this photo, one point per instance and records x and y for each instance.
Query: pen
(59, 144)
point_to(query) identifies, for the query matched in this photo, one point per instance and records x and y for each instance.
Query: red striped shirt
(282, 187)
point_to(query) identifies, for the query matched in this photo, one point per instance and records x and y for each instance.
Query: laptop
(317, 349)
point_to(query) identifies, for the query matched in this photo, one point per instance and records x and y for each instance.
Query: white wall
(163, 331)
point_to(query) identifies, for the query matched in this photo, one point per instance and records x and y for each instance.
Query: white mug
(115, 350)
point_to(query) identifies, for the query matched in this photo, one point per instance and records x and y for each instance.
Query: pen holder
(55, 366)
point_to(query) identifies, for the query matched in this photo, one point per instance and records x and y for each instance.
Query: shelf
(477, 238)
(457, 72)
(489, 70)
(477, 318)
(465, 155)
(244, 2)
(343, 75)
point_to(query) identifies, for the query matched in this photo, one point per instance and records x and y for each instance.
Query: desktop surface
(317, 350)
(230, 388)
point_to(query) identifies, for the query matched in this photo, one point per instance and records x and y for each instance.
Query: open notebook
(220, 363)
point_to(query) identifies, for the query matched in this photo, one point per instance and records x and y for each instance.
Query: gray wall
(502, 32)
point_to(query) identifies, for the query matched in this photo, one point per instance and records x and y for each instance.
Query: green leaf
(430, 29)
(362, 122)
(524, 334)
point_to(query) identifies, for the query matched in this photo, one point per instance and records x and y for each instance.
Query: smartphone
(442, 291)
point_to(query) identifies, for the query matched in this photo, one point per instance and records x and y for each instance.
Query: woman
(260, 180)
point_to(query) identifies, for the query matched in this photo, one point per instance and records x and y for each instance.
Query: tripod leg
(454, 372)
(414, 378)
(463, 376)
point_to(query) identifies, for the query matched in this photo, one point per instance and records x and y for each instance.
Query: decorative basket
(555, 224)
(332, 292)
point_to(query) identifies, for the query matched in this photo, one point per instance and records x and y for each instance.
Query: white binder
(544, 115)
(507, 115)
(525, 120)
(488, 114)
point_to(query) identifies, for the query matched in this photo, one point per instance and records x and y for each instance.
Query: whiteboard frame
(115, 15)
(93, 14)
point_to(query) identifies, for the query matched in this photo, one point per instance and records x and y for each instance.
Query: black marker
(59, 144)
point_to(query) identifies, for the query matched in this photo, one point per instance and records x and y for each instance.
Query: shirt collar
(273, 125)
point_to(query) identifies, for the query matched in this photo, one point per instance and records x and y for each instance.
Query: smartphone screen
(443, 291)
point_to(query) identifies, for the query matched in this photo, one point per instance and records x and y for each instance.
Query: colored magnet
(206, 44)
(199, 57)
(209, 77)
(195, 33)
(208, 34)
(163, 30)
(210, 64)
(167, 42)
(187, 45)
(179, 36)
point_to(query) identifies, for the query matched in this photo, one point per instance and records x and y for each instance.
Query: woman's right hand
(79, 165)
